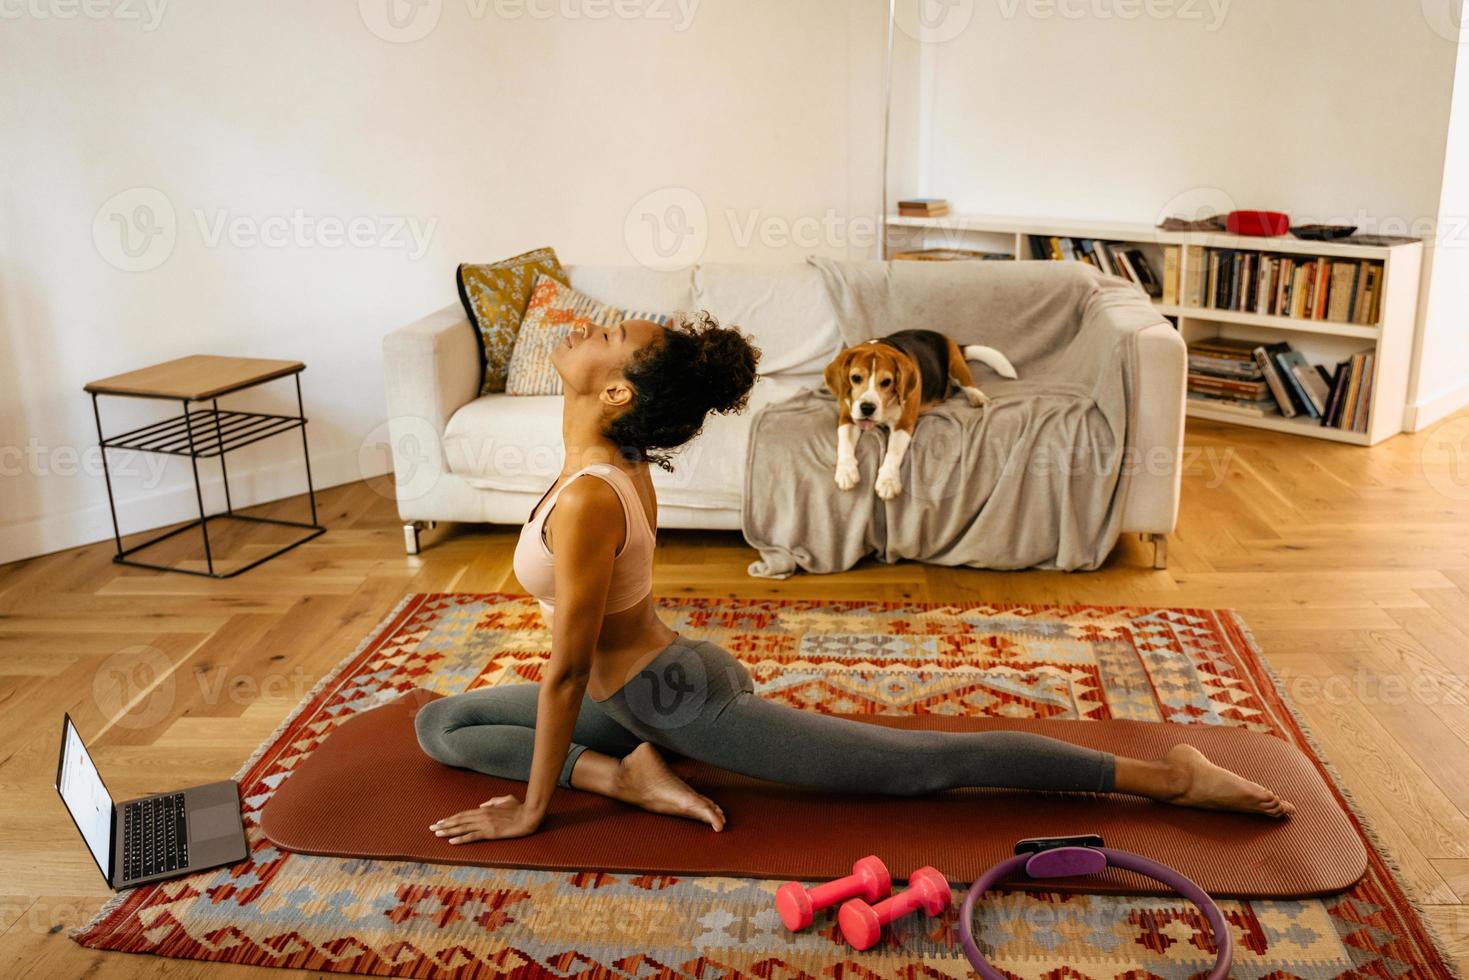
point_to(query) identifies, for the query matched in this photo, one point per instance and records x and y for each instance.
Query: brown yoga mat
(369, 791)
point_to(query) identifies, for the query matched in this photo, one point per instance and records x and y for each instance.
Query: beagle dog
(891, 381)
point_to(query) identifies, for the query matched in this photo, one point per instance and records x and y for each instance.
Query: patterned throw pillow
(494, 297)
(555, 308)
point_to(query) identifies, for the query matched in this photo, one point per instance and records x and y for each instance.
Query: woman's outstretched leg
(698, 700)
(775, 741)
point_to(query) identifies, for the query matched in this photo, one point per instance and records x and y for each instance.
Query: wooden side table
(200, 433)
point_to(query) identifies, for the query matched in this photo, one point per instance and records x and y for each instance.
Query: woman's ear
(617, 394)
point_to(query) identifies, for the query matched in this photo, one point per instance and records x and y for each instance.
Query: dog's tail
(998, 362)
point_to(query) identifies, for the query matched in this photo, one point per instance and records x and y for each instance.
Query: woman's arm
(587, 527)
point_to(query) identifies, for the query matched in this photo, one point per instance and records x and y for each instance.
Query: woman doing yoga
(620, 684)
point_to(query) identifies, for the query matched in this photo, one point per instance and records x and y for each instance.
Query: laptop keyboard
(155, 836)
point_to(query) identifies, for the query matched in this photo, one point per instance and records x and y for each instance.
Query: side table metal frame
(199, 434)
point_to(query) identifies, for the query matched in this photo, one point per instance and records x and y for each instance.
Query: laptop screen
(85, 796)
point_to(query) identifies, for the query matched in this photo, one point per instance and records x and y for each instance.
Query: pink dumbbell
(862, 923)
(869, 879)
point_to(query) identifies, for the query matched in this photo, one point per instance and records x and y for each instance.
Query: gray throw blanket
(1034, 479)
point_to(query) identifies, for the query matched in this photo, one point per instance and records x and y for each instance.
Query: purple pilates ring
(1064, 862)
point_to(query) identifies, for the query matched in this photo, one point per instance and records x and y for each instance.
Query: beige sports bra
(632, 566)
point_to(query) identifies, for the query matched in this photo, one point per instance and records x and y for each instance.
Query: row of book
(1305, 287)
(1255, 379)
(1113, 258)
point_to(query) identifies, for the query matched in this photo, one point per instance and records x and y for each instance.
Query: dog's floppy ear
(910, 389)
(836, 376)
(909, 381)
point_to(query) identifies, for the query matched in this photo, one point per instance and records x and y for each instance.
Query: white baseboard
(1425, 413)
(177, 503)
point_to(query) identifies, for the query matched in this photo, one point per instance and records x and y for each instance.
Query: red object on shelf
(1264, 224)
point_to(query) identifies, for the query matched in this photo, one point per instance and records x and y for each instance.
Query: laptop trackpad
(209, 822)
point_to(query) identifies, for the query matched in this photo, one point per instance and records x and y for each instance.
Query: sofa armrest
(432, 369)
(1158, 414)
(1154, 461)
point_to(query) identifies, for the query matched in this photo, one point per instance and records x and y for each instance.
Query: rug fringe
(113, 903)
(108, 907)
(1440, 944)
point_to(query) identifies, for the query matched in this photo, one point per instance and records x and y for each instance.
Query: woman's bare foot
(644, 780)
(1194, 781)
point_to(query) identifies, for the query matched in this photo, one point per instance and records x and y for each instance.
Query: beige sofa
(461, 457)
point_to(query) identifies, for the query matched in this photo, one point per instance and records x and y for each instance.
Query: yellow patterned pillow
(554, 309)
(494, 297)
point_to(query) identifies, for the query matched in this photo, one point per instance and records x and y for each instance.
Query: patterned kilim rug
(1194, 667)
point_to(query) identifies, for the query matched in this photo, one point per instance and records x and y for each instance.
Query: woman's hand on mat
(502, 817)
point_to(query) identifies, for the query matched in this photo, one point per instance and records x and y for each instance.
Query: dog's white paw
(888, 485)
(976, 397)
(846, 475)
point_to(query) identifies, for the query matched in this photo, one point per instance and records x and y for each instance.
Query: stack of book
(1113, 258)
(1302, 286)
(1224, 374)
(1250, 378)
(923, 207)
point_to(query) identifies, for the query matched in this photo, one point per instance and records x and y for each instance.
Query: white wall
(1270, 102)
(500, 129)
(1330, 110)
(1441, 381)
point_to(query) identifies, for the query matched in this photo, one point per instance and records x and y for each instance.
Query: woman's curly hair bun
(698, 368)
(724, 362)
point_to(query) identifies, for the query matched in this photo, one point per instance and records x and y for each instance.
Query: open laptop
(153, 837)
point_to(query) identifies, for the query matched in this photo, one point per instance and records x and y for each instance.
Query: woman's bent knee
(430, 727)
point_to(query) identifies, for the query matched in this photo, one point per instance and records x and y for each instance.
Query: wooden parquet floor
(1351, 566)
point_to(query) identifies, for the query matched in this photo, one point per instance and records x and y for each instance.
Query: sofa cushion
(499, 442)
(553, 311)
(784, 309)
(494, 295)
(634, 287)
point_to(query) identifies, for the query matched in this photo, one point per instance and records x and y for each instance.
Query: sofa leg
(1160, 549)
(410, 534)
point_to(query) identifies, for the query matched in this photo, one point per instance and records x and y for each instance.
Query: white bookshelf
(1321, 341)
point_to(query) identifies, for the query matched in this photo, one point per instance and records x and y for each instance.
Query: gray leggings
(697, 700)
